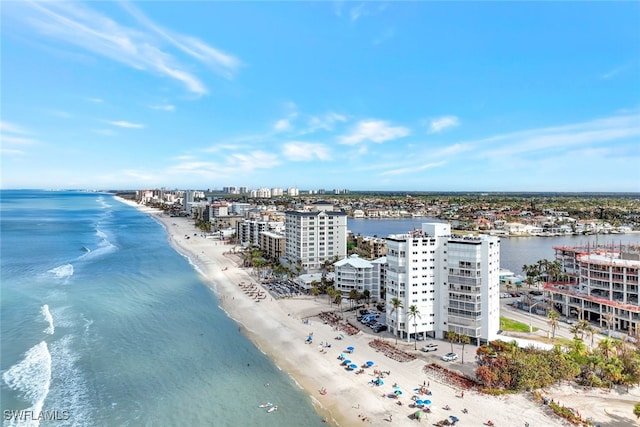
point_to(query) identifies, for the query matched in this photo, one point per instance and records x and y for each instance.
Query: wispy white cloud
(95, 100)
(17, 140)
(11, 151)
(550, 141)
(253, 160)
(413, 169)
(219, 61)
(163, 107)
(386, 35)
(612, 73)
(12, 134)
(233, 164)
(375, 131)
(78, 25)
(356, 12)
(60, 114)
(12, 128)
(125, 124)
(440, 124)
(337, 7)
(282, 125)
(326, 121)
(286, 123)
(305, 151)
(235, 145)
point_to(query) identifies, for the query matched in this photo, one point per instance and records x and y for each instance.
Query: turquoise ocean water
(104, 324)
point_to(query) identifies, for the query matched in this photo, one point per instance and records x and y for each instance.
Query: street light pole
(530, 308)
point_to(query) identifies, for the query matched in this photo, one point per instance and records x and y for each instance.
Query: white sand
(277, 325)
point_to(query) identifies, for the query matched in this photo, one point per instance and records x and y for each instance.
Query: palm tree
(591, 331)
(451, 336)
(396, 305)
(606, 346)
(315, 291)
(331, 293)
(553, 322)
(366, 294)
(554, 269)
(339, 302)
(583, 325)
(353, 296)
(464, 340)
(412, 314)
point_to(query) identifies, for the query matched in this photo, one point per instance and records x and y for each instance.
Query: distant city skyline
(411, 96)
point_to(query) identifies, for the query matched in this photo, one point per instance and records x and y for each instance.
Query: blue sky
(430, 96)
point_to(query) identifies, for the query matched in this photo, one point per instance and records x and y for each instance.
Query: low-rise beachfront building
(314, 237)
(602, 285)
(454, 283)
(354, 273)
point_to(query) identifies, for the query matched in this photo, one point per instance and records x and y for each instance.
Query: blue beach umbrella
(353, 366)
(350, 349)
(426, 402)
(370, 363)
(419, 402)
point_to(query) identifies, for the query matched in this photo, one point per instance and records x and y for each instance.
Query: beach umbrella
(426, 402)
(350, 349)
(347, 362)
(370, 363)
(419, 402)
(353, 366)
(419, 414)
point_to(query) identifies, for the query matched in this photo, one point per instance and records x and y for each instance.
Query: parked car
(430, 347)
(379, 328)
(450, 357)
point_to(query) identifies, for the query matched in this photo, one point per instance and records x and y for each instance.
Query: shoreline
(274, 325)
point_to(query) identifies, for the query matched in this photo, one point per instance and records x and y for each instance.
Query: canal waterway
(514, 251)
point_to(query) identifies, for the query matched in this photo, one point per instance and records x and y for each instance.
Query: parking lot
(283, 289)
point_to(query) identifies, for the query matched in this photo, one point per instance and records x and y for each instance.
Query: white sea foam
(104, 247)
(31, 378)
(70, 391)
(63, 271)
(103, 203)
(49, 319)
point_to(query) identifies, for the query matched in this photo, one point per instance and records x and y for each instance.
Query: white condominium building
(454, 282)
(314, 237)
(357, 274)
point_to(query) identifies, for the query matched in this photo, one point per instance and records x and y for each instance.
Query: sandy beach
(280, 327)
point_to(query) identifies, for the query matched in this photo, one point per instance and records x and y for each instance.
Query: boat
(273, 408)
(266, 405)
